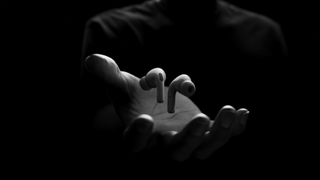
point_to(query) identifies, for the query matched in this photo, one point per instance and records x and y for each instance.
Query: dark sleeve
(277, 68)
(274, 90)
(274, 67)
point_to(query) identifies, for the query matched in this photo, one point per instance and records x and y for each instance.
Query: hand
(144, 117)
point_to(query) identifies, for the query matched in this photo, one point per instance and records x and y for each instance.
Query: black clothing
(231, 54)
(237, 58)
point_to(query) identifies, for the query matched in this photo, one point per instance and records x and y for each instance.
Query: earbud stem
(160, 89)
(171, 99)
(160, 94)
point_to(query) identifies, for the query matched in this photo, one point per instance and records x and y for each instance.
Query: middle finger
(189, 138)
(219, 134)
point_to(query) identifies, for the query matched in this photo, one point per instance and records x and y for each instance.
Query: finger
(168, 136)
(238, 128)
(116, 81)
(105, 68)
(219, 134)
(185, 142)
(136, 136)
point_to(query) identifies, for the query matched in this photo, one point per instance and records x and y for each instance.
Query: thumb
(107, 69)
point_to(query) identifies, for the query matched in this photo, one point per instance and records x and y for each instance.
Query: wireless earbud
(183, 85)
(154, 78)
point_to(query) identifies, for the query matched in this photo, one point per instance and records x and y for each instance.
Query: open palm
(130, 100)
(145, 102)
(186, 131)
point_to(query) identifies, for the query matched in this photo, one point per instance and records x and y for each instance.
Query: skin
(188, 132)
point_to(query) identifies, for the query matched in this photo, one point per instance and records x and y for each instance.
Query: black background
(41, 127)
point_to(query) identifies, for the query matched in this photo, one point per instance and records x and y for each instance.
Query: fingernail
(244, 118)
(199, 128)
(227, 119)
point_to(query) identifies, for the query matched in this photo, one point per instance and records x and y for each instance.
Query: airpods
(183, 85)
(154, 78)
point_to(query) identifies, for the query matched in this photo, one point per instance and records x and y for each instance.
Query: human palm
(145, 102)
(130, 100)
(187, 130)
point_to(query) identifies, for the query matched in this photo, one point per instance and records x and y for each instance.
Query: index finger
(137, 135)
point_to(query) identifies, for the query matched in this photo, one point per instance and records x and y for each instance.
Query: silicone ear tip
(143, 84)
(187, 88)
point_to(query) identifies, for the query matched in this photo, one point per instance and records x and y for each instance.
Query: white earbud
(154, 78)
(183, 85)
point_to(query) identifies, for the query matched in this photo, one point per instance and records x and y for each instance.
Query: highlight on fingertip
(199, 115)
(144, 116)
(228, 107)
(244, 110)
(167, 136)
(93, 57)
